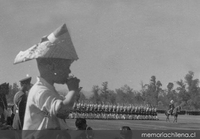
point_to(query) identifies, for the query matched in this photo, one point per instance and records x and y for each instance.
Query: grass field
(185, 122)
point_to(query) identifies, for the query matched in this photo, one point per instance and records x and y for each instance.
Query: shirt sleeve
(48, 101)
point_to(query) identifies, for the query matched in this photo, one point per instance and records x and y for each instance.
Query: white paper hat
(56, 45)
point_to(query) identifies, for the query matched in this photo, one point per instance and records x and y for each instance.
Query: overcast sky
(119, 41)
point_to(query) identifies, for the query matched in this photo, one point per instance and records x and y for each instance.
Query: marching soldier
(20, 99)
(118, 108)
(155, 113)
(129, 109)
(147, 113)
(99, 108)
(95, 107)
(110, 107)
(74, 106)
(82, 108)
(142, 112)
(121, 108)
(103, 108)
(78, 107)
(87, 108)
(124, 109)
(106, 109)
(151, 113)
(91, 107)
(133, 112)
(136, 112)
(114, 108)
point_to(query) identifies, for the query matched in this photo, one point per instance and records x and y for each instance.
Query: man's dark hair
(4, 88)
(126, 132)
(80, 123)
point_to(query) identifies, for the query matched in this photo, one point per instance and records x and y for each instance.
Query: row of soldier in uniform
(109, 111)
(111, 116)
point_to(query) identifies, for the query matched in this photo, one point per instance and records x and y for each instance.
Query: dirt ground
(185, 122)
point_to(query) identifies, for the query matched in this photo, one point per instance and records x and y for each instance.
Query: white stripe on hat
(51, 37)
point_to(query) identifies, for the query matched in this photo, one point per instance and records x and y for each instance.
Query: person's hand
(78, 94)
(73, 84)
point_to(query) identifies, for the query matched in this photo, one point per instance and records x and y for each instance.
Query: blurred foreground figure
(20, 100)
(46, 109)
(81, 124)
(125, 133)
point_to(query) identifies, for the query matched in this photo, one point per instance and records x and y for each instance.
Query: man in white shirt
(45, 108)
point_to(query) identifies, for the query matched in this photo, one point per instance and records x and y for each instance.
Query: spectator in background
(20, 100)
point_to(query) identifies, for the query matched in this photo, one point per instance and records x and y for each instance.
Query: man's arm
(22, 107)
(71, 97)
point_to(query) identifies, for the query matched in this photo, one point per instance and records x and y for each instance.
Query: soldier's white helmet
(172, 101)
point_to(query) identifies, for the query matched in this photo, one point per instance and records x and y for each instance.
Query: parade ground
(109, 129)
(185, 122)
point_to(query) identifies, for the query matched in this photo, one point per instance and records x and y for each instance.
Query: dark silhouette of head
(125, 132)
(4, 89)
(81, 123)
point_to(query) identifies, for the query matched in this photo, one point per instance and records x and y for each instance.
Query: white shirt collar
(42, 81)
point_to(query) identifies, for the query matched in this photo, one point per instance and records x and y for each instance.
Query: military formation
(112, 112)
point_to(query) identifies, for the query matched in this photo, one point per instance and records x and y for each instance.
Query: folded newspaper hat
(56, 45)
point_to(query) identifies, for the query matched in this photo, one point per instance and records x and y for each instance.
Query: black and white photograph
(97, 69)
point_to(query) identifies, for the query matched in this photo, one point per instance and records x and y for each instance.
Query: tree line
(186, 94)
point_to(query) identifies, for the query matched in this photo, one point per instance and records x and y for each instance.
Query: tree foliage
(13, 89)
(186, 94)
